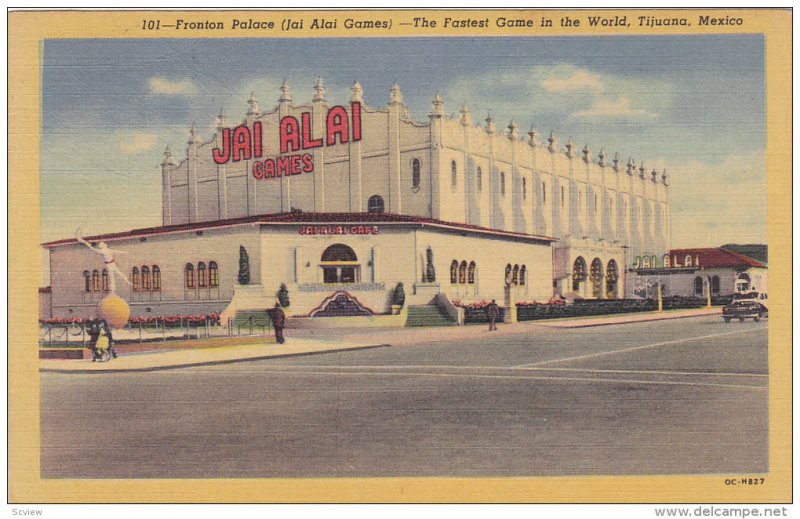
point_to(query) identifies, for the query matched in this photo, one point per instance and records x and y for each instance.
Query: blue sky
(691, 104)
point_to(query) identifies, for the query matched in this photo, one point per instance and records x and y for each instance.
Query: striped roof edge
(301, 218)
(718, 257)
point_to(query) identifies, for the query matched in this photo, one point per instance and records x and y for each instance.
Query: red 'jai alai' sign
(241, 143)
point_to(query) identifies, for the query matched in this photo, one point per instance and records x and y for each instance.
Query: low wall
(374, 321)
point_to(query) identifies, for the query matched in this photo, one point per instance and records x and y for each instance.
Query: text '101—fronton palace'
(340, 203)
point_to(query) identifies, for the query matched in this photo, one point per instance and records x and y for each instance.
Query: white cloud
(579, 81)
(164, 86)
(618, 109)
(138, 142)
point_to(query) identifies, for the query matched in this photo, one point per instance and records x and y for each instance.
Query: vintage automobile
(744, 310)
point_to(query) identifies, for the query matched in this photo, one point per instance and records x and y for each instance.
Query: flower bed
(167, 320)
(555, 308)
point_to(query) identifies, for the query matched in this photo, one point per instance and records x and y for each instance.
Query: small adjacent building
(696, 273)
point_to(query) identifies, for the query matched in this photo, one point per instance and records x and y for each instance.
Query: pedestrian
(107, 330)
(494, 313)
(93, 329)
(278, 322)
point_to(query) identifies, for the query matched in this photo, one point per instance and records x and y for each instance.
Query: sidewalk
(155, 360)
(305, 343)
(637, 317)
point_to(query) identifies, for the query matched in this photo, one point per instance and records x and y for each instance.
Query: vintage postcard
(400, 256)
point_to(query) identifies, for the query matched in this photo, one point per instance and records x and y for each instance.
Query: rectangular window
(544, 193)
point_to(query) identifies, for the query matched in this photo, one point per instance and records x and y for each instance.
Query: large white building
(327, 198)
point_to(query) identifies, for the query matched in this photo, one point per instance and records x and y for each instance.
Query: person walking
(494, 313)
(278, 322)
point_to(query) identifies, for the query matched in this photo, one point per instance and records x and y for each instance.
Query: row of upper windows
(516, 275)
(462, 273)
(95, 281)
(201, 276)
(146, 279)
(524, 185)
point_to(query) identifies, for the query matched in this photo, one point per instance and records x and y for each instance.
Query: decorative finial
(654, 174)
(631, 166)
(587, 154)
(253, 103)
(602, 157)
(319, 88)
(286, 93)
(642, 170)
(512, 130)
(437, 106)
(570, 148)
(665, 178)
(616, 161)
(358, 93)
(168, 157)
(552, 143)
(490, 127)
(466, 115)
(193, 136)
(395, 96)
(222, 119)
(534, 136)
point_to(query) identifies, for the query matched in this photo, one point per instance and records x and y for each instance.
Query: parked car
(744, 310)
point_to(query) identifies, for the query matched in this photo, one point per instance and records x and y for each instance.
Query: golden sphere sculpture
(114, 310)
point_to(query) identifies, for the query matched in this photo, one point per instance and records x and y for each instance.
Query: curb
(207, 363)
(664, 318)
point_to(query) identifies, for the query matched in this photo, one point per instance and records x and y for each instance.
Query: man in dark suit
(279, 322)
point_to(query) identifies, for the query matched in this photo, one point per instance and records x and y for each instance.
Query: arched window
(201, 275)
(135, 278)
(105, 280)
(479, 179)
(340, 265)
(612, 275)
(698, 284)
(515, 275)
(563, 196)
(524, 188)
(596, 275)
(416, 167)
(743, 282)
(471, 273)
(95, 280)
(454, 272)
(156, 278)
(375, 204)
(715, 285)
(453, 174)
(502, 183)
(188, 272)
(578, 273)
(508, 274)
(544, 193)
(462, 273)
(523, 270)
(213, 274)
(87, 281)
(145, 278)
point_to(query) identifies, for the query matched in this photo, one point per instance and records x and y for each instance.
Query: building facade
(698, 272)
(478, 199)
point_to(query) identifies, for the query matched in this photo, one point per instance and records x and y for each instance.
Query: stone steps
(427, 315)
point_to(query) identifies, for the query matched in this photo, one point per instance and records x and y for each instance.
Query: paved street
(667, 397)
